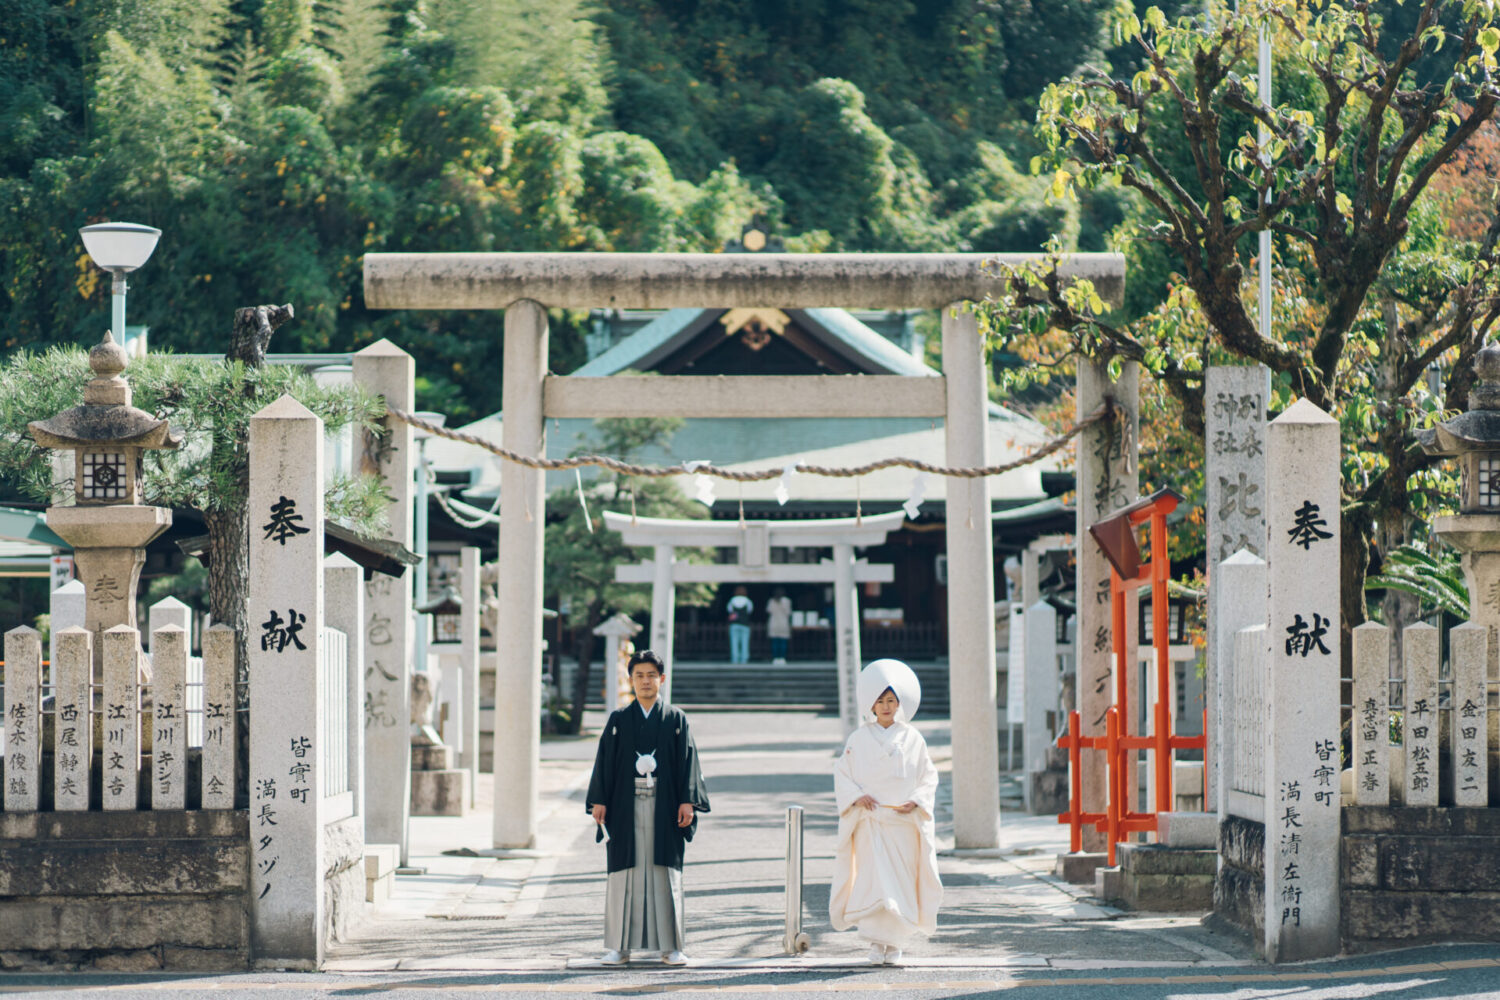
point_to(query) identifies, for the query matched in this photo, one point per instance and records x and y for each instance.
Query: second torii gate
(754, 540)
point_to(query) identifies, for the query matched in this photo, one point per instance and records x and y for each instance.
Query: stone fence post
(286, 621)
(1302, 752)
(386, 370)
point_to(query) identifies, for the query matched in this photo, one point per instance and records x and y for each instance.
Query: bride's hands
(906, 807)
(865, 802)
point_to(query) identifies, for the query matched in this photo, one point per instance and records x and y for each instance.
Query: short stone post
(72, 678)
(1235, 440)
(285, 605)
(1372, 715)
(169, 659)
(1107, 480)
(522, 519)
(386, 370)
(1302, 756)
(1419, 719)
(219, 716)
(23, 719)
(344, 609)
(971, 586)
(67, 609)
(1040, 689)
(846, 632)
(468, 626)
(122, 718)
(170, 611)
(1240, 582)
(1470, 723)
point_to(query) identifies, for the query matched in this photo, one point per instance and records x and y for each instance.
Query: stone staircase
(761, 685)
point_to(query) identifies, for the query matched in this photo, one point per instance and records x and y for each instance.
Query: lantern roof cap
(1478, 427)
(106, 416)
(447, 602)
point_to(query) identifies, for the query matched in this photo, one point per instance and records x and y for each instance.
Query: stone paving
(540, 910)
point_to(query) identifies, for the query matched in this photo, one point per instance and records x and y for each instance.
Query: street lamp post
(119, 248)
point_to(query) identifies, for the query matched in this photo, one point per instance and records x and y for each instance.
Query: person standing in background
(779, 624)
(740, 608)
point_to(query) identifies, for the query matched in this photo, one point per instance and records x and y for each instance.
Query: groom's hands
(598, 813)
(684, 815)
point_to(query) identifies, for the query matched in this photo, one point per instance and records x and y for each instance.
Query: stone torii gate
(754, 540)
(526, 285)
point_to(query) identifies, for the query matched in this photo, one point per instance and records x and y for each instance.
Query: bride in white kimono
(885, 876)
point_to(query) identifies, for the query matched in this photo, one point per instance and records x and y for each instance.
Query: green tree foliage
(581, 555)
(276, 141)
(1371, 293)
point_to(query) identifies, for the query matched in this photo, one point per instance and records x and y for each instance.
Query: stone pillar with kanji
(285, 612)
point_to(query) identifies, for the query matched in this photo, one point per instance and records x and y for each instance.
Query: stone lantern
(1474, 437)
(108, 527)
(447, 612)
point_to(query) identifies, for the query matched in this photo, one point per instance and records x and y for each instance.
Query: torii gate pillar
(971, 588)
(518, 734)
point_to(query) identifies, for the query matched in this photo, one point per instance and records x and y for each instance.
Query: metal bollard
(796, 940)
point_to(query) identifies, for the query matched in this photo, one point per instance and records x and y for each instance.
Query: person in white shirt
(739, 609)
(885, 875)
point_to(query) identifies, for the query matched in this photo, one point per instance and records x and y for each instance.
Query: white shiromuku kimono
(885, 875)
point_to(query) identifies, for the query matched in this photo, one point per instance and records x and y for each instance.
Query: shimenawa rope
(1105, 412)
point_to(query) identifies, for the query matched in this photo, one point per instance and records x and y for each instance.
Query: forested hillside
(276, 141)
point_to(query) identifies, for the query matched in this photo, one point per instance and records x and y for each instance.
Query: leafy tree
(1371, 295)
(580, 560)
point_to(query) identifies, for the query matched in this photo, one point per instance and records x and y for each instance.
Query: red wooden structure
(1116, 536)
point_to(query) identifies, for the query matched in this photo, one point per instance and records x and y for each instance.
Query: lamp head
(431, 417)
(119, 247)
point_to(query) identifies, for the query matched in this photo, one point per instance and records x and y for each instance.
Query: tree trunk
(253, 327)
(584, 644)
(229, 529)
(229, 576)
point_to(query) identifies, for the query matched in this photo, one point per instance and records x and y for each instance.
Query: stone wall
(126, 891)
(344, 877)
(1240, 886)
(1417, 875)
(133, 891)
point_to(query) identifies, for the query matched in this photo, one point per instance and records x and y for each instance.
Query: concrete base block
(1187, 785)
(380, 871)
(1078, 868)
(439, 793)
(381, 859)
(1166, 879)
(1187, 829)
(1108, 884)
(378, 890)
(433, 758)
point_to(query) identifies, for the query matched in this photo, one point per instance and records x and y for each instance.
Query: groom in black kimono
(645, 794)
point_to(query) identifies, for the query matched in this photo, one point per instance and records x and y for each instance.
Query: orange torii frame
(1116, 536)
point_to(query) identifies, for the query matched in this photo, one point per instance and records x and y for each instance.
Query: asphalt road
(1442, 972)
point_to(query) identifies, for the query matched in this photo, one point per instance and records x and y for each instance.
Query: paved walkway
(540, 910)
